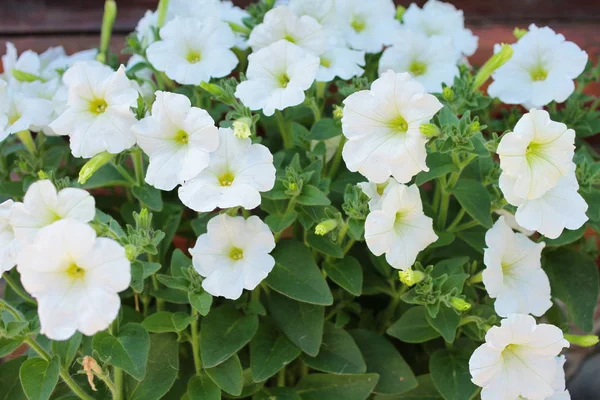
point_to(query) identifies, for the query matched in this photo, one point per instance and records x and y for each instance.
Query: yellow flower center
(380, 188)
(533, 151)
(538, 73)
(417, 68)
(289, 38)
(325, 62)
(181, 137)
(399, 124)
(399, 221)
(193, 56)
(284, 79)
(75, 271)
(358, 24)
(236, 253)
(98, 106)
(226, 179)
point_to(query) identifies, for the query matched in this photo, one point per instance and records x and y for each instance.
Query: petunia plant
(321, 199)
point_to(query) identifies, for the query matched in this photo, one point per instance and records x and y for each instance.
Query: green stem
(123, 171)
(195, 340)
(337, 159)
(443, 213)
(457, 219)
(388, 314)
(160, 303)
(118, 374)
(18, 290)
(138, 165)
(315, 109)
(466, 225)
(281, 377)
(27, 140)
(64, 373)
(284, 130)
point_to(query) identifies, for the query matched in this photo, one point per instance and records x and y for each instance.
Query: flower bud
(108, 20)
(411, 277)
(242, 128)
(582, 340)
(400, 10)
(519, 33)
(43, 175)
(460, 304)
(338, 112)
(475, 127)
(212, 88)
(491, 65)
(325, 227)
(429, 130)
(163, 6)
(448, 93)
(91, 367)
(130, 252)
(23, 76)
(93, 165)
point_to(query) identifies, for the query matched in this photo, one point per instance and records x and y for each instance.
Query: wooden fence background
(75, 24)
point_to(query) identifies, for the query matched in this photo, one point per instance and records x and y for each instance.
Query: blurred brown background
(75, 24)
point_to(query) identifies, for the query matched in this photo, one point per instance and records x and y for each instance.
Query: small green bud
(491, 65)
(459, 304)
(93, 165)
(43, 175)
(582, 340)
(23, 76)
(411, 277)
(338, 112)
(477, 278)
(242, 128)
(475, 127)
(325, 227)
(163, 6)
(212, 88)
(108, 20)
(130, 252)
(448, 93)
(239, 28)
(429, 130)
(400, 10)
(519, 33)
(143, 220)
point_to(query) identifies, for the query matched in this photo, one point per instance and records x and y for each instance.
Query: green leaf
(439, 164)
(107, 175)
(574, 280)
(347, 273)
(324, 245)
(278, 223)
(336, 387)
(128, 350)
(269, 352)
(224, 331)
(324, 129)
(356, 228)
(141, 270)
(446, 322)
(297, 276)
(10, 384)
(179, 261)
(203, 388)
(475, 199)
(474, 237)
(228, 376)
(413, 327)
(302, 323)
(178, 283)
(382, 358)
(7, 346)
(164, 321)
(451, 376)
(277, 393)
(66, 350)
(163, 367)
(201, 302)
(39, 377)
(149, 196)
(339, 353)
(311, 196)
(567, 237)
(425, 391)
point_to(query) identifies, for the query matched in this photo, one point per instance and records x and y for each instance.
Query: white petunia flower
(377, 192)
(281, 23)
(177, 138)
(429, 60)
(144, 74)
(340, 61)
(323, 11)
(43, 205)
(75, 277)
(277, 76)
(437, 18)
(144, 30)
(237, 173)
(514, 274)
(517, 359)
(399, 229)
(98, 116)
(382, 127)
(368, 25)
(536, 154)
(233, 14)
(19, 112)
(233, 255)
(541, 70)
(559, 208)
(192, 51)
(9, 246)
(559, 386)
(511, 221)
